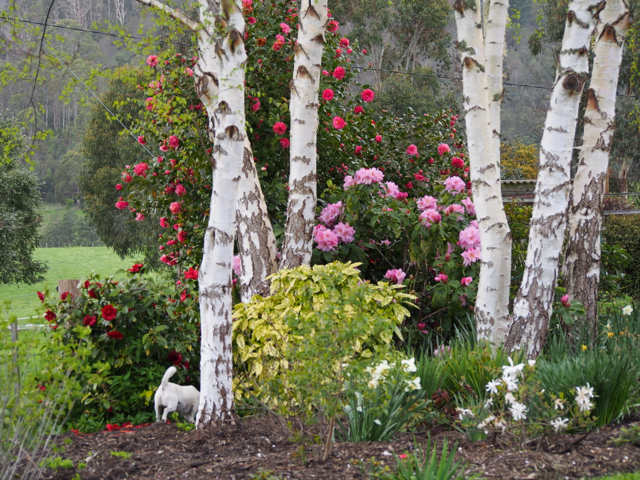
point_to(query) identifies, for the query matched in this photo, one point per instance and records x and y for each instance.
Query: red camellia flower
(457, 162)
(409, 185)
(126, 177)
(164, 223)
(89, 320)
(183, 296)
(339, 73)
(136, 268)
(378, 138)
(182, 236)
(412, 150)
(338, 123)
(333, 26)
(41, 296)
(118, 187)
(115, 334)
(174, 142)
(327, 95)
(256, 106)
(251, 21)
(175, 207)
(121, 205)
(284, 142)
(191, 274)
(279, 128)
(109, 312)
(141, 169)
(174, 357)
(152, 60)
(358, 109)
(358, 150)
(49, 316)
(64, 295)
(180, 190)
(141, 140)
(344, 42)
(92, 293)
(367, 95)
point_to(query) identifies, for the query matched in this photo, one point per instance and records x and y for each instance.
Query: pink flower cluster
(392, 190)
(366, 176)
(330, 213)
(395, 275)
(471, 208)
(469, 240)
(454, 184)
(328, 239)
(236, 265)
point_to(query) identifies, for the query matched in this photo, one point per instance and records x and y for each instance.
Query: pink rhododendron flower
(141, 169)
(175, 207)
(471, 208)
(427, 202)
(454, 208)
(152, 60)
(121, 205)
(391, 189)
(565, 301)
(441, 278)
(395, 275)
(338, 123)
(279, 128)
(443, 148)
(471, 256)
(469, 238)
(330, 213)
(466, 281)
(339, 73)
(344, 232)
(430, 216)
(285, 28)
(367, 95)
(358, 109)
(180, 190)
(378, 138)
(348, 182)
(173, 141)
(140, 217)
(368, 176)
(457, 162)
(412, 150)
(236, 264)
(325, 238)
(284, 142)
(164, 223)
(454, 184)
(327, 95)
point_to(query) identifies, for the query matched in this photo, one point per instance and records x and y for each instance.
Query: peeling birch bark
(533, 303)
(303, 108)
(492, 302)
(581, 269)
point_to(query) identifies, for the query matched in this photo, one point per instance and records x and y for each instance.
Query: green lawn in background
(64, 263)
(622, 476)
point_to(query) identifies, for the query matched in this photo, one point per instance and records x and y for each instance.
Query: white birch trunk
(492, 303)
(581, 269)
(532, 307)
(301, 208)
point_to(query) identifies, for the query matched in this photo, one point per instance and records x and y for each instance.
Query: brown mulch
(240, 451)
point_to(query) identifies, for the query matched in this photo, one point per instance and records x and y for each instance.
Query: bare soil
(263, 444)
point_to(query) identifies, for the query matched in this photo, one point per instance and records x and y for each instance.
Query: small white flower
(486, 422)
(464, 412)
(627, 310)
(559, 424)
(512, 370)
(532, 363)
(377, 421)
(386, 454)
(492, 386)
(511, 383)
(587, 391)
(488, 403)
(558, 404)
(413, 384)
(584, 404)
(409, 365)
(359, 408)
(509, 398)
(518, 410)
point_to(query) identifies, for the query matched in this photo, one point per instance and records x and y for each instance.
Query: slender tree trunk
(581, 269)
(533, 303)
(301, 208)
(492, 303)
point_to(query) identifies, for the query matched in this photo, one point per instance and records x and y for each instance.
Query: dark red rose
(174, 357)
(49, 316)
(65, 295)
(183, 296)
(92, 293)
(109, 312)
(136, 268)
(41, 296)
(115, 334)
(87, 283)
(89, 320)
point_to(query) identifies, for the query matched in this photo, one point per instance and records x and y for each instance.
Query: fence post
(70, 286)
(16, 368)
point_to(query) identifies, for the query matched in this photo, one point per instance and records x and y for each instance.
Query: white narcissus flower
(511, 383)
(518, 410)
(409, 365)
(559, 424)
(488, 403)
(492, 386)
(532, 363)
(413, 384)
(627, 310)
(509, 398)
(558, 404)
(486, 421)
(512, 370)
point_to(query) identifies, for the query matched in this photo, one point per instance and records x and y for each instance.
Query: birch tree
(301, 208)
(533, 303)
(581, 269)
(482, 58)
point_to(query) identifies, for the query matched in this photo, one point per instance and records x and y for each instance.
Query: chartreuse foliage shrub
(134, 330)
(40, 379)
(624, 231)
(294, 349)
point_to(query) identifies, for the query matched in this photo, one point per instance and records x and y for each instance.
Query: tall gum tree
(581, 268)
(303, 109)
(481, 52)
(533, 303)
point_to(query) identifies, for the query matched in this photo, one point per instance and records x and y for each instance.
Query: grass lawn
(64, 263)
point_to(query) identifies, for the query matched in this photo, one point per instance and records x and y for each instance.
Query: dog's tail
(167, 375)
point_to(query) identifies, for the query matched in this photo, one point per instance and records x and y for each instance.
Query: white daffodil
(413, 384)
(512, 370)
(492, 386)
(464, 412)
(509, 398)
(627, 310)
(559, 424)
(409, 365)
(518, 410)
(558, 404)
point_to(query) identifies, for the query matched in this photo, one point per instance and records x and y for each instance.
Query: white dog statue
(173, 397)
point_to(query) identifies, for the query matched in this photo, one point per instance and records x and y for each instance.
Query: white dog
(172, 397)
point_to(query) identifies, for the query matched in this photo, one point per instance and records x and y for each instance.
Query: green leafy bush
(624, 231)
(135, 330)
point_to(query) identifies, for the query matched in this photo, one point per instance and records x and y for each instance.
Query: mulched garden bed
(163, 451)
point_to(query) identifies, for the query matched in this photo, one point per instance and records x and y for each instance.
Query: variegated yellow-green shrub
(290, 348)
